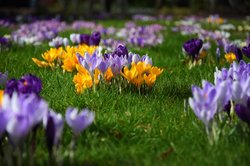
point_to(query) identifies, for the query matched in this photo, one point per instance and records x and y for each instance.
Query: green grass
(132, 128)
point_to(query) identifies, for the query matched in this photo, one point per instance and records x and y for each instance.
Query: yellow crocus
(142, 67)
(230, 57)
(82, 82)
(156, 71)
(40, 63)
(108, 74)
(149, 79)
(130, 74)
(138, 81)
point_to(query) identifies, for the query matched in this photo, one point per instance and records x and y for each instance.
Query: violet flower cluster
(37, 32)
(58, 42)
(230, 91)
(141, 36)
(91, 40)
(22, 110)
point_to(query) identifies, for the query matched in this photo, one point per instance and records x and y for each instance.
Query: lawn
(133, 128)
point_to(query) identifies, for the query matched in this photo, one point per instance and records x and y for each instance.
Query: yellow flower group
(65, 58)
(140, 73)
(84, 79)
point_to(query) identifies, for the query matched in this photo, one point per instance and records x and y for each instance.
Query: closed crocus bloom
(11, 86)
(95, 38)
(84, 38)
(29, 84)
(135, 58)
(155, 70)
(53, 124)
(204, 102)
(142, 67)
(79, 121)
(108, 75)
(193, 46)
(243, 112)
(149, 79)
(121, 50)
(246, 50)
(130, 74)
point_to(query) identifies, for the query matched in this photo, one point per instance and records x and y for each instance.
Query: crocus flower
(75, 38)
(95, 39)
(53, 124)
(243, 112)
(89, 62)
(79, 121)
(246, 50)
(121, 50)
(231, 49)
(25, 112)
(193, 47)
(11, 86)
(29, 84)
(84, 38)
(58, 42)
(204, 102)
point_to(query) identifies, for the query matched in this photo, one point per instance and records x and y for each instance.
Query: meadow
(133, 128)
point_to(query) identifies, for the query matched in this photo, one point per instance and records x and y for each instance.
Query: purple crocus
(79, 121)
(234, 49)
(29, 84)
(246, 51)
(11, 86)
(120, 50)
(84, 38)
(24, 113)
(204, 102)
(90, 62)
(193, 47)
(53, 124)
(95, 39)
(243, 112)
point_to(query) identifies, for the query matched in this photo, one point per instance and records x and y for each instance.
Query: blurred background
(122, 8)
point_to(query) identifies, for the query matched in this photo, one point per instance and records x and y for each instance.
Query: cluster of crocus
(230, 93)
(97, 67)
(80, 24)
(215, 19)
(37, 32)
(5, 23)
(22, 111)
(141, 35)
(58, 42)
(66, 58)
(91, 40)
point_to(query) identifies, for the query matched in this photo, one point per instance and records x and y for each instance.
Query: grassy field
(132, 128)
